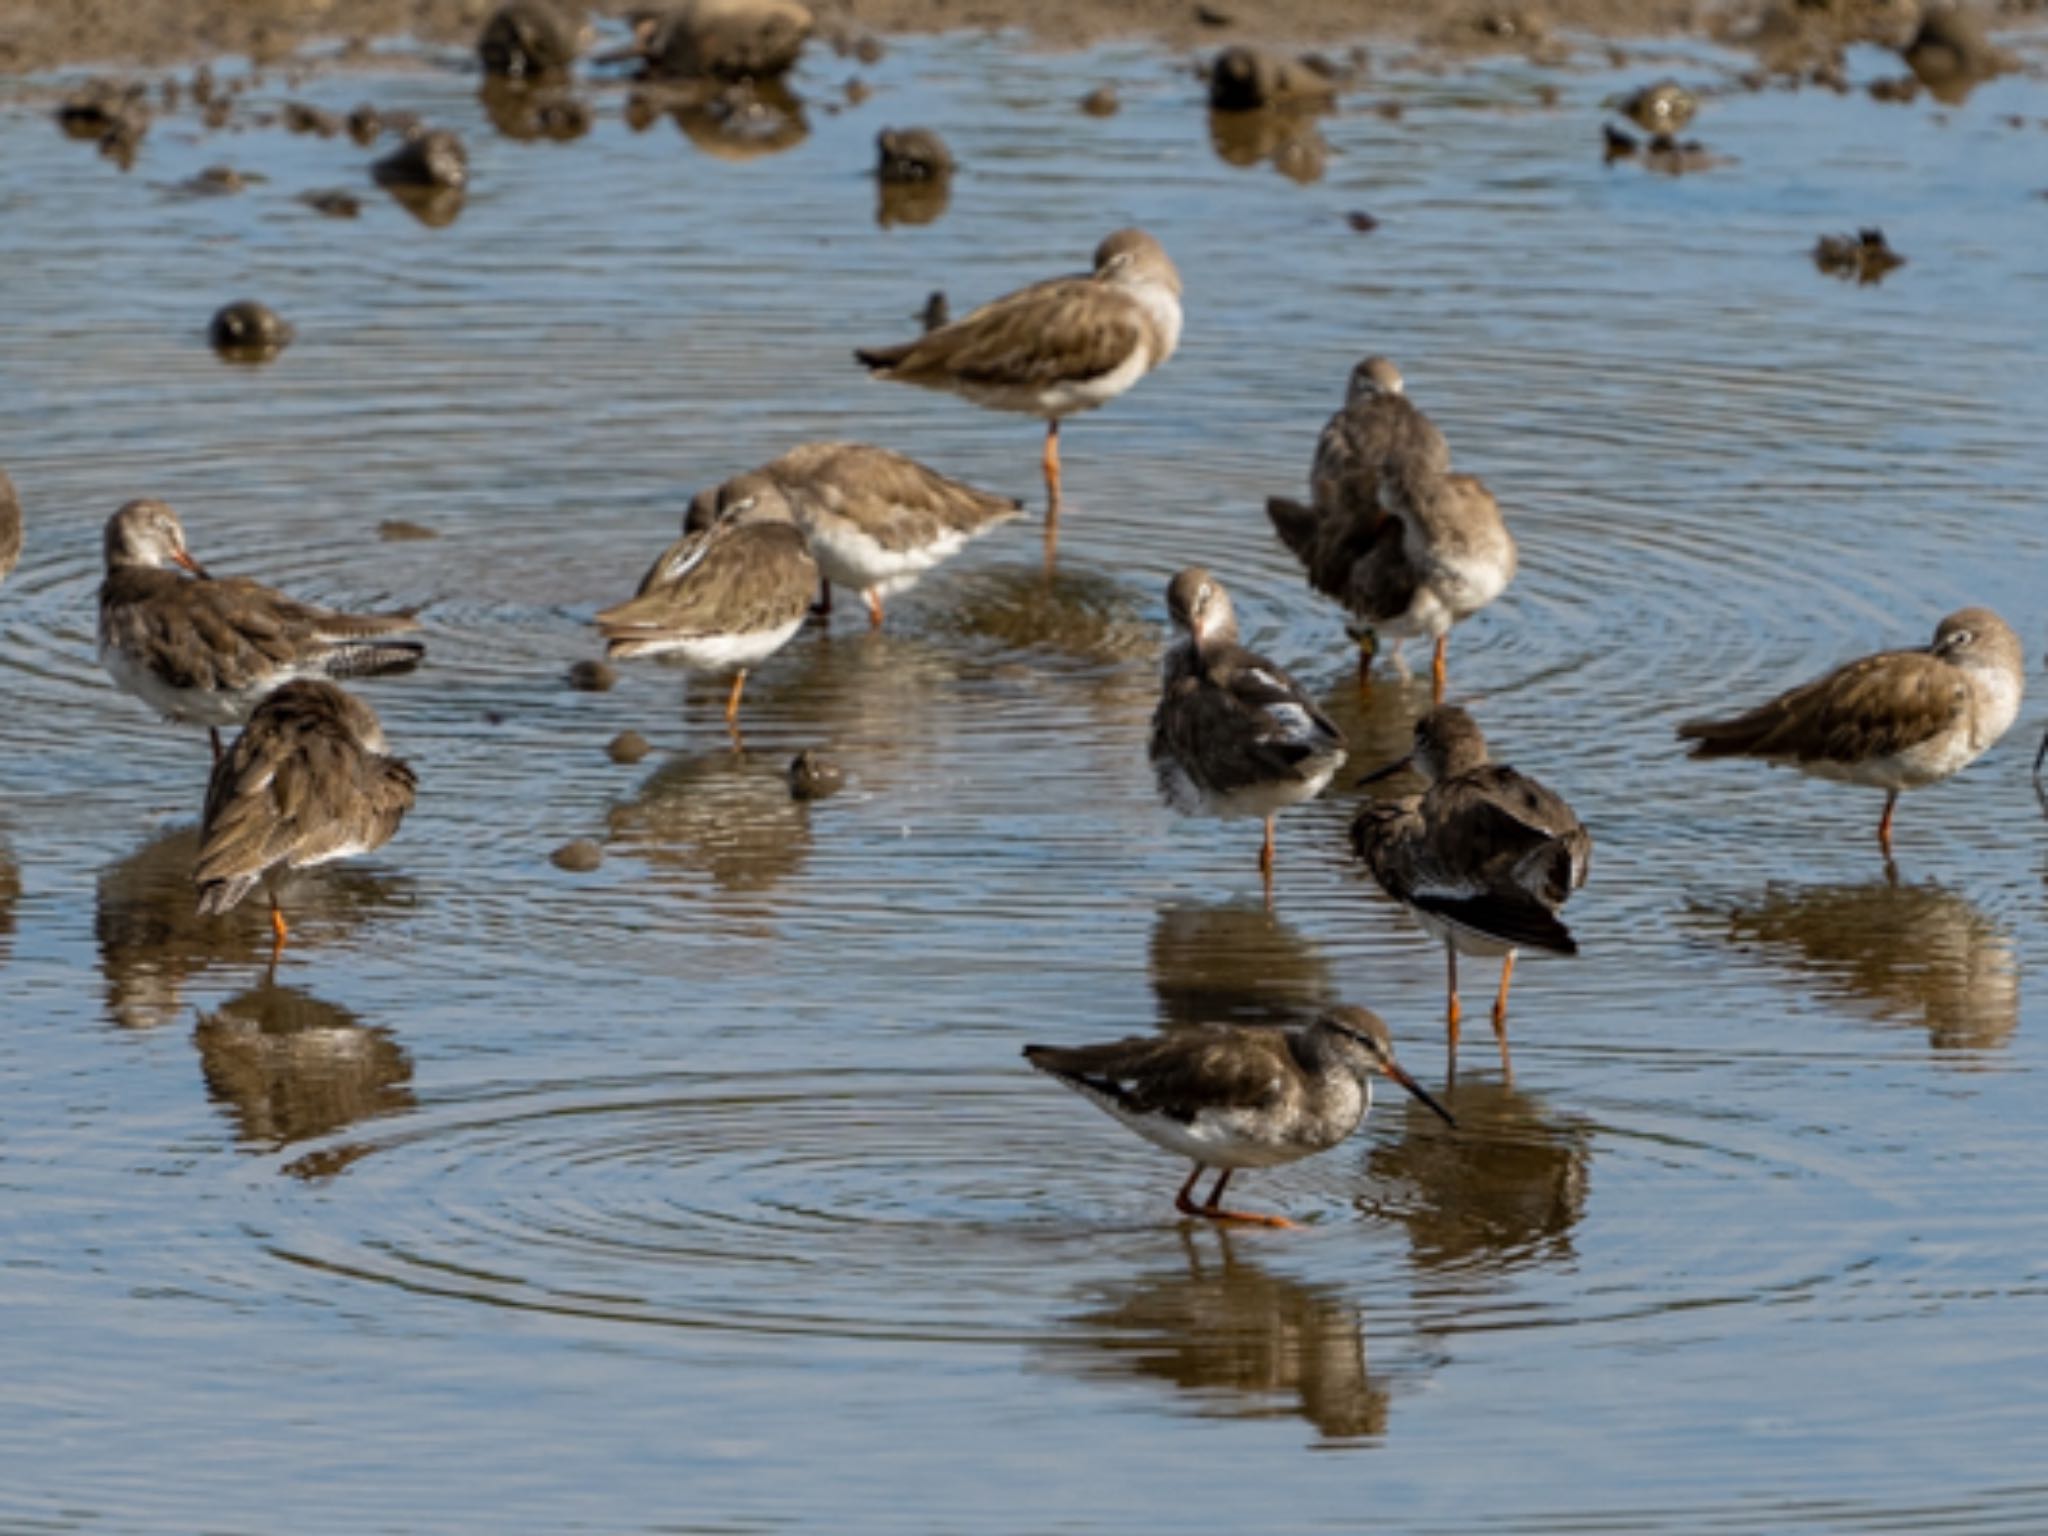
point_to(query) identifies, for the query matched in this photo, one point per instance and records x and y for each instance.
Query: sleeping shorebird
(1895, 721)
(309, 780)
(1234, 735)
(1408, 547)
(1230, 1096)
(877, 521)
(725, 597)
(1055, 348)
(206, 651)
(1482, 859)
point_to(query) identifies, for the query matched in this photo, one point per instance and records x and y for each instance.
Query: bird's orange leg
(1439, 671)
(1213, 1210)
(1884, 827)
(823, 606)
(1184, 1201)
(1453, 1017)
(1500, 1018)
(1052, 489)
(874, 601)
(280, 930)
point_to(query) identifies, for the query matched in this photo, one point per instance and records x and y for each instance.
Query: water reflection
(287, 1067)
(1502, 1191)
(1913, 954)
(435, 207)
(1243, 1341)
(739, 120)
(1074, 613)
(728, 815)
(152, 940)
(912, 202)
(1234, 963)
(1288, 140)
(10, 897)
(528, 113)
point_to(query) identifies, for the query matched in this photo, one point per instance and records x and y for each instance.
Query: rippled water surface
(707, 1192)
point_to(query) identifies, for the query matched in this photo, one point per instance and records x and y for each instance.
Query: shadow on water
(287, 1067)
(1238, 1340)
(719, 814)
(1502, 1192)
(1918, 954)
(153, 942)
(1234, 963)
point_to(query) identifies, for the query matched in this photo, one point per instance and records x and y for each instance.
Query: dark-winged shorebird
(1483, 858)
(1229, 1096)
(877, 521)
(205, 650)
(308, 781)
(725, 597)
(10, 527)
(1234, 736)
(1895, 721)
(1057, 347)
(1409, 548)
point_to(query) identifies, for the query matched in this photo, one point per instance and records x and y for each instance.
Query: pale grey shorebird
(10, 527)
(1232, 1096)
(1895, 721)
(729, 594)
(206, 650)
(1409, 548)
(1055, 348)
(1483, 859)
(877, 521)
(309, 780)
(1233, 736)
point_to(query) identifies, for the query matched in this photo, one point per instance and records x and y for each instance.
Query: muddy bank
(38, 34)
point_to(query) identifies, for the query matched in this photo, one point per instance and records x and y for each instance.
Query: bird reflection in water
(152, 940)
(10, 897)
(287, 1067)
(1235, 963)
(1502, 1192)
(1910, 954)
(728, 815)
(1287, 139)
(1240, 1340)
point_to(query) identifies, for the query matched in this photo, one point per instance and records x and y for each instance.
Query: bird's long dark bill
(1420, 1092)
(1396, 766)
(191, 565)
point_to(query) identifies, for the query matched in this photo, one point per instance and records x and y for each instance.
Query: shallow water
(707, 1192)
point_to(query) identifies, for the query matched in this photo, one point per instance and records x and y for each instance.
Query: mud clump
(435, 158)
(248, 331)
(1951, 56)
(333, 202)
(593, 677)
(628, 747)
(531, 39)
(1101, 102)
(1665, 107)
(910, 155)
(814, 776)
(579, 856)
(1866, 256)
(1251, 80)
(726, 39)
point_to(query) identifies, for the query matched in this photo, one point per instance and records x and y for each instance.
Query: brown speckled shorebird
(1408, 547)
(877, 521)
(1055, 348)
(1233, 735)
(1229, 1097)
(1483, 859)
(729, 594)
(309, 780)
(205, 650)
(1895, 721)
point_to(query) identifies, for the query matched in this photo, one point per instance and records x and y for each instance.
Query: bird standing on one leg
(1055, 348)
(1894, 721)
(1233, 735)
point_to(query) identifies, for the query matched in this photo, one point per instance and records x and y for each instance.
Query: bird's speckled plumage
(203, 650)
(309, 779)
